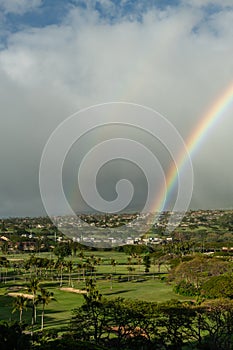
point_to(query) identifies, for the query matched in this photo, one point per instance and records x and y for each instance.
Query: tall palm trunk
(61, 277)
(34, 308)
(42, 318)
(20, 315)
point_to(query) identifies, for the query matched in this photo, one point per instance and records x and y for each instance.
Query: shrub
(186, 288)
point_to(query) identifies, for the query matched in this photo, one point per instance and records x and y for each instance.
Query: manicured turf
(110, 281)
(58, 313)
(150, 290)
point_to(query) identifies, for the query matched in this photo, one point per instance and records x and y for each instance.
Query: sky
(57, 58)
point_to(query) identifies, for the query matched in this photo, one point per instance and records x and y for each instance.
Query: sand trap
(28, 296)
(15, 259)
(73, 290)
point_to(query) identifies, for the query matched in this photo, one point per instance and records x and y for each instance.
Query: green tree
(44, 298)
(60, 265)
(114, 263)
(13, 337)
(19, 304)
(147, 263)
(88, 315)
(70, 266)
(215, 324)
(33, 288)
(218, 287)
(5, 247)
(63, 250)
(175, 324)
(199, 269)
(130, 269)
(3, 263)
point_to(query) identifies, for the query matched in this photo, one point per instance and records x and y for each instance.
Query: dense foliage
(142, 325)
(218, 286)
(186, 288)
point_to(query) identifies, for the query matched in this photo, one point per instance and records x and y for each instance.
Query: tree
(44, 298)
(3, 227)
(93, 295)
(109, 278)
(69, 266)
(186, 288)
(160, 258)
(5, 247)
(13, 337)
(33, 288)
(199, 269)
(88, 314)
(130, 270)
(139, 261)
(174, 324)
(60, 264)
(62, 250)
(114, 263)
(218, 287)
(3, 263)
(115, 323)
(216, 324)
(147, 263)
(19, 304)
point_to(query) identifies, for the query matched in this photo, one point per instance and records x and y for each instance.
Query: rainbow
(194, 141)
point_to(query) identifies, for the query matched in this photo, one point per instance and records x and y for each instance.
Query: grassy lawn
(58, 313)
(148, 290)
(122, 283)
(121, 258)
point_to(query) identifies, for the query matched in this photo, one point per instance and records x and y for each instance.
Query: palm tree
(109, 277)
(81, 255)
(84, 266)
(19, 304)
(3, 262)
(139, 261)
(113, 263)
(30, 264)
(69, 265)
(79, 268)
(5, 247)
(130, 269)
(60, 264)
(33, 288)
(6, 265)
(44, 298)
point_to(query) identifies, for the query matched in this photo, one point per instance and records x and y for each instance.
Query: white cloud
(203, 3)
(19, 6)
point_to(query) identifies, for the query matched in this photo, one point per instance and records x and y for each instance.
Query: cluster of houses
(127, 229)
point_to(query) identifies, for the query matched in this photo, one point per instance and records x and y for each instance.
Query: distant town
(205, 229)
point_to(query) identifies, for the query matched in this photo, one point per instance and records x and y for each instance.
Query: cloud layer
(177, 60)
(19, 7)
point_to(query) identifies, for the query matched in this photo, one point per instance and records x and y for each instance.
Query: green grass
(147, 287)
(148, 290)
(106, 257)
(58, 313)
